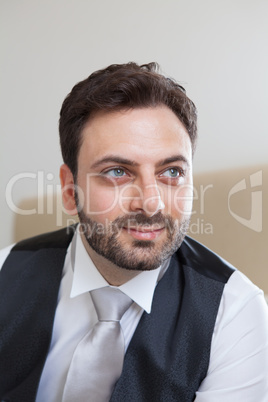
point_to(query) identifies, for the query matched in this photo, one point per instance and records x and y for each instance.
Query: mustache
(143, 220)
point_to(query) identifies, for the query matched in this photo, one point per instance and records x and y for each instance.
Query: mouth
(144, 233)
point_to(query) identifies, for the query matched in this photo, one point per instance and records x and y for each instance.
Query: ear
(68, 190)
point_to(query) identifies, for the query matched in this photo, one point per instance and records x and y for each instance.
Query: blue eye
(117, 172)
(172, 172)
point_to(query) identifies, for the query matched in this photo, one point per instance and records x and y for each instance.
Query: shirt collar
(86, 277)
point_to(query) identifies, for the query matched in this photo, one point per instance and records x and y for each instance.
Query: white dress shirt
(238, 368)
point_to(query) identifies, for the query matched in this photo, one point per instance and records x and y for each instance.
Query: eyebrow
(174, 158)
(129, 162)
(114, 159)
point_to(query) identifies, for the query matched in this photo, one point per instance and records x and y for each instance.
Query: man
(193, 328)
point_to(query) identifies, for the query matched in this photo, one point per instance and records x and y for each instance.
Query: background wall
(216, 49)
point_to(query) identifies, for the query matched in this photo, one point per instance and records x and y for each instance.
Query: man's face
(134, 186)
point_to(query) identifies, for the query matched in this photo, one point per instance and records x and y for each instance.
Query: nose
(147, 199)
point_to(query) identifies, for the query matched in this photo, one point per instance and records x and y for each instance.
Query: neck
(113, 274)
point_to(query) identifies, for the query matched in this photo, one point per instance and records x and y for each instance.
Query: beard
(138, 255)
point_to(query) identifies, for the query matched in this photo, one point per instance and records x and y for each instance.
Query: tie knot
(110, 303)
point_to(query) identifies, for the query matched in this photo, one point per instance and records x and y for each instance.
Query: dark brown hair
(117, 87)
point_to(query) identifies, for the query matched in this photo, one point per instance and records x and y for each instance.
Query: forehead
(141, 134)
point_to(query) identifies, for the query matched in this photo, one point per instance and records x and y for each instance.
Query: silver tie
(98, 359)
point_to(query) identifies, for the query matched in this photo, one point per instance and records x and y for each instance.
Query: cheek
(99, 202)
(179, 201)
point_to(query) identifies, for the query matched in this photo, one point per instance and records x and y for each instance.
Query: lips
(144, 233)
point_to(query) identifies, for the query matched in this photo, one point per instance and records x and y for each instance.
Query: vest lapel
(169, 353)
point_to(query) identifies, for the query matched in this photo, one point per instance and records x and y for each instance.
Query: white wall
(216, 49)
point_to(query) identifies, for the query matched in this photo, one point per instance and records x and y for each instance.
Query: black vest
(168, 356)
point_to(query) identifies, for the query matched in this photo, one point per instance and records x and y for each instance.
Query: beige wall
(231, 217)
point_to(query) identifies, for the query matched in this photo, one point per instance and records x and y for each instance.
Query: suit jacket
(168, 356)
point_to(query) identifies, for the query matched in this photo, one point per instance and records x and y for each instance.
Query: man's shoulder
(4, 252)
(238, 288)
(56, 239)
(204, 261)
